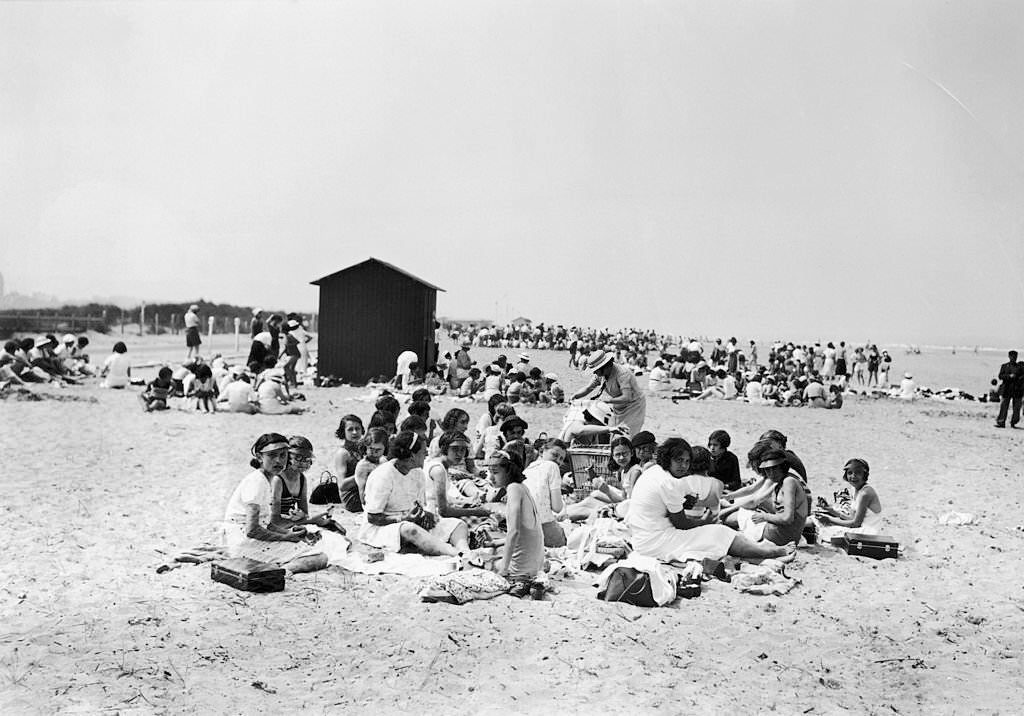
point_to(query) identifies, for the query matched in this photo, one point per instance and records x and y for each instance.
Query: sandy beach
(98, 494)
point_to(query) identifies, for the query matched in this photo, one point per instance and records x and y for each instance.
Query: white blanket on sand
(411, 565)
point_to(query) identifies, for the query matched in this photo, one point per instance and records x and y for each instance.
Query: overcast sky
(764, 169)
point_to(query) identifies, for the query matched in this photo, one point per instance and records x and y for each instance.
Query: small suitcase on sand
(874, 546)
(248, 575)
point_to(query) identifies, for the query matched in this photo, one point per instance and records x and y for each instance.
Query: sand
(97, 494)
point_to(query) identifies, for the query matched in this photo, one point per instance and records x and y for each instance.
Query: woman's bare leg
(307, 563)
(746, 548)
(425, 542)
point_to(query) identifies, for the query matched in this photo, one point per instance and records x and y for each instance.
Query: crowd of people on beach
(495, 495)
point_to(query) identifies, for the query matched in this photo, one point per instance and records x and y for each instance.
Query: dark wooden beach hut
(369, 313)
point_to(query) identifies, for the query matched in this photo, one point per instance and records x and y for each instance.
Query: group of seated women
(426, 494)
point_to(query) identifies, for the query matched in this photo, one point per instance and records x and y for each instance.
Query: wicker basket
(587, 463)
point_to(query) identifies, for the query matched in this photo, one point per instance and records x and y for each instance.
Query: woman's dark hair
(449, 438)
(418, 407)
(621, 440)
(11, 346)
(261, 442)
(452, 418)
(421, 395)
(502, 411)
(374, 436)
(757, 453)
(555, 443)
(165, 373)
(204, 371)
(672, 448)
(83, 341)
(381, 419)
(700, 460)
(774, 435)
(350, 418)
(535, 373)
(28, 344)
(120, 347)
(414, 423)
(722, 438)
(388, 404)
(298, 442)
(513, 464)
(493, 402)
(521, 377)
(405, 444)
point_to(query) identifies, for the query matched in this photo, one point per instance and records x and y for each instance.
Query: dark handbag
(326, 493)
(630, 586)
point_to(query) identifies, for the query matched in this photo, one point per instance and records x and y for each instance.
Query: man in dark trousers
(1012, 375)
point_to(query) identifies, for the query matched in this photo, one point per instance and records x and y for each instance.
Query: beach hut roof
(518, 321)
(376, 261)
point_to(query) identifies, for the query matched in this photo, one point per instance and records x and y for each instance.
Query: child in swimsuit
(155, 396)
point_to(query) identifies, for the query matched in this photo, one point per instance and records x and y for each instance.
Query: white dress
(390, 493)
(254, 489)
(655, 495)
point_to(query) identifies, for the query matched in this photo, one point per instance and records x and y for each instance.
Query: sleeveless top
(288, 500)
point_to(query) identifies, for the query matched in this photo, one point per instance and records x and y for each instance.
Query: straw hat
(525, 357)
(598, 359)
(550, 376)
(68, 338)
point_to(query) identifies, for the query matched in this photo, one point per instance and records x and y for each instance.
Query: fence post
(238, 323)
(209, 327)
(156, 324)
(142, 316)
(174, 324)
(122, 321)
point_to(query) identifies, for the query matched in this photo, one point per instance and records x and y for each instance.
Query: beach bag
(640, 581)
(326, 493)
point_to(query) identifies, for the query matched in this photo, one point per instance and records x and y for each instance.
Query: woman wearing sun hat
(618, 388)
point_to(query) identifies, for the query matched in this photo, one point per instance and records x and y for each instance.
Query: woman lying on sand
(249, 528)
(661, 528)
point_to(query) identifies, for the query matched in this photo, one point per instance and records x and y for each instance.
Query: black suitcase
(248, 575)
(874, 546)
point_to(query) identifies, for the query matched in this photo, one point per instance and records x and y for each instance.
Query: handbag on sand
(641, 581)
(326, 493)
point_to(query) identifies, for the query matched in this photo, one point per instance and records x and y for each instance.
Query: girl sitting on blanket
(249, 527)
(374, 445)
(866, 514)
(523, 557)
(350, 432)
(454, 419)
(289, 506)
(443, 498)
(784, 522)
(395, 506)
